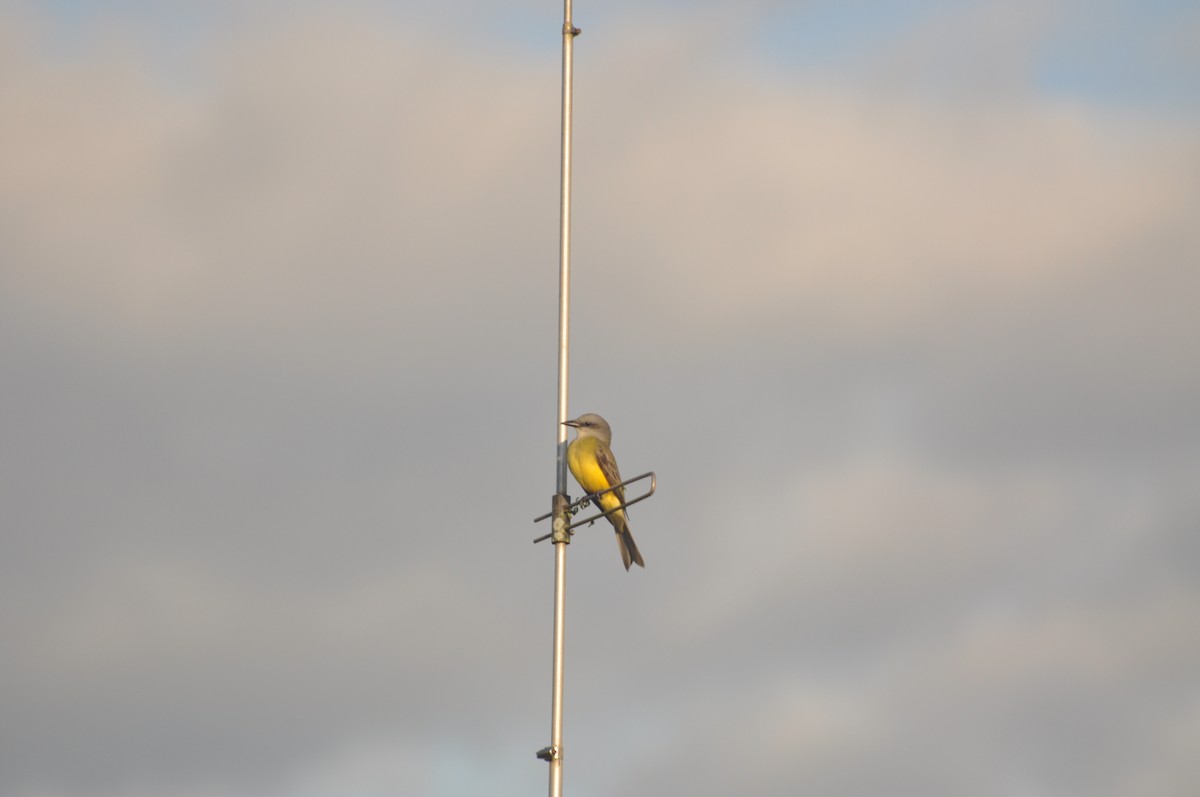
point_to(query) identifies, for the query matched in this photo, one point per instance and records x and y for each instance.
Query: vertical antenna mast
(560, 534)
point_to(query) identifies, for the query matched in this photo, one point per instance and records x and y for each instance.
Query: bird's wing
(608, 464)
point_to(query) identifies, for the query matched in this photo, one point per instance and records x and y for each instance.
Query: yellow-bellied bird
(595, 468)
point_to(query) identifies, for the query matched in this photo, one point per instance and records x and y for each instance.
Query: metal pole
(560, 533)
(564, 248)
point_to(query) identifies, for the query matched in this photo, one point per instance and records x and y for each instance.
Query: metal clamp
(551, 753)
(571, 509)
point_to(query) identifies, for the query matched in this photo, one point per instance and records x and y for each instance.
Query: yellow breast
(585, 467)
(581, 459)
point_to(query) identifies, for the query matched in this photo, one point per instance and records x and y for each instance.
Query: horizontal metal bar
(593, 497)
(574, 505)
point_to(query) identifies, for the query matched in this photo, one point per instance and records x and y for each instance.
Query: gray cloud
(916, 376)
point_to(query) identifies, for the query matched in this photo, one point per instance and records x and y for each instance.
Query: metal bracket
(570, 510)
(549, 754)
(560, 531)
(571, 30)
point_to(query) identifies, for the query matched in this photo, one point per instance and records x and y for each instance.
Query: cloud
(330, 156)
(913, 370)
(773, 197)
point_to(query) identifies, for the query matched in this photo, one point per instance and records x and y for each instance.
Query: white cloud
(321, 165)
(874, 215)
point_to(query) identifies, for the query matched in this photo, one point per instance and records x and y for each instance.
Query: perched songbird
(595, 468)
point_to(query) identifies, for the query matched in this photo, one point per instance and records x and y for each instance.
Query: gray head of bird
(592, 425)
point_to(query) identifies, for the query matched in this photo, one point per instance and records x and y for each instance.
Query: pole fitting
(559, 528)
(551, 753)
(571, 30)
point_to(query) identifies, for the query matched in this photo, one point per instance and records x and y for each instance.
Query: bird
(595, 468)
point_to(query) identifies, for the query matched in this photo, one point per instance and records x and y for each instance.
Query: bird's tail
(629, 549)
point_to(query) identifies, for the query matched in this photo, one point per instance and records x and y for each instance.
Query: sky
(896, 298)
